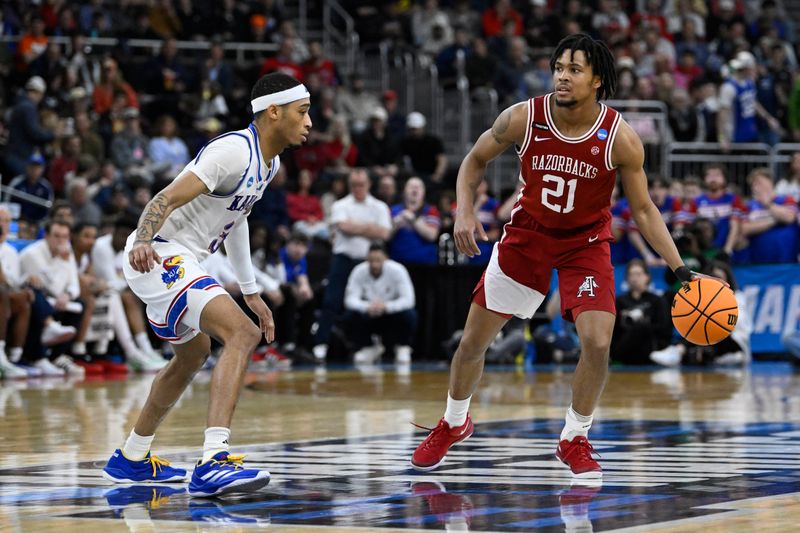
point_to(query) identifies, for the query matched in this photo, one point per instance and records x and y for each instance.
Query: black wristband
(683, 273)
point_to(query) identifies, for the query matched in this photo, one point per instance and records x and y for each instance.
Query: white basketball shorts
(175, 292)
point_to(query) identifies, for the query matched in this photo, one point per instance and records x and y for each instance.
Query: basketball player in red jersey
(571, 147)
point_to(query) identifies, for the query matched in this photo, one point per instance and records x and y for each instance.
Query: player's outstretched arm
(186, 187)
(508, 129)
(628, 156)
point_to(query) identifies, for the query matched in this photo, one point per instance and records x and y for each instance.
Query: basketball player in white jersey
(205, 206)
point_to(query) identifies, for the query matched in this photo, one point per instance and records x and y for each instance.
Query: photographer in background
(643, 322)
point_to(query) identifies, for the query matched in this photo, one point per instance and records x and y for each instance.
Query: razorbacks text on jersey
(568, 180)
(232, 168)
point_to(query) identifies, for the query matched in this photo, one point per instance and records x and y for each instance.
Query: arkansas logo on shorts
(173, 271)
(588, 285)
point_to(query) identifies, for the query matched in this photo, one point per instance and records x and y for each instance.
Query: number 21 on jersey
(557, 193)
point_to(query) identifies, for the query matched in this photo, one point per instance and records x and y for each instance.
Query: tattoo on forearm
(500, 126)
(153, 216)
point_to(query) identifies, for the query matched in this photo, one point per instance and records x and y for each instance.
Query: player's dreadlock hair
(598, 56)
(274, 82)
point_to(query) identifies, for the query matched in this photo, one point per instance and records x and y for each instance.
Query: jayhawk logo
(173, 271)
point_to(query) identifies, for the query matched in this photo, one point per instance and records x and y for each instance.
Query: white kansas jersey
(232, 168)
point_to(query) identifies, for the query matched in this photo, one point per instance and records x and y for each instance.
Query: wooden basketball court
(711, 450)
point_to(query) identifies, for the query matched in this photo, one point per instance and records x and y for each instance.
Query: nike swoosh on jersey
(537, 138)
(592, 239)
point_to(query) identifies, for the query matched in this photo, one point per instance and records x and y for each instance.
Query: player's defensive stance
(571, 147)
(205, 206)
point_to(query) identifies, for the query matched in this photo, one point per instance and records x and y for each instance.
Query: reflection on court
(680, 451)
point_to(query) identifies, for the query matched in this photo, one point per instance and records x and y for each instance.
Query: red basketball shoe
(433, 449)
(91, 369)
(577, 455)
(448, 507)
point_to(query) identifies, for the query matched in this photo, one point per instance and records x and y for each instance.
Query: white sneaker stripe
(221, 475)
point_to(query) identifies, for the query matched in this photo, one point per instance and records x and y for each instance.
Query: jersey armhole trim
(242, 178)
(528, 129)
(610, 145)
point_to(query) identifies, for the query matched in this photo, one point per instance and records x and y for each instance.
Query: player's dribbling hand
(265, 322)
(142, 257)
(464, 234)
(685, 276)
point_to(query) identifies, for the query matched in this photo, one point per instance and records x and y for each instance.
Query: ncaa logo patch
(173, 271)
(602, 134)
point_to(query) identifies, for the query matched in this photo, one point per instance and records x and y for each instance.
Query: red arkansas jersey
(568, 180)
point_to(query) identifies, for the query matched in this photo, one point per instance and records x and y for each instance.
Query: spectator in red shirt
(652, 14)
(111, 83)
(320, 65)
(282, 62)
(687, 69)
(310, 155)
(339, 151)
(65, 165)
(305, 208)
(494, 18)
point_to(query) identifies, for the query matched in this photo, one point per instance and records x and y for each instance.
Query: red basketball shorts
(518, 275)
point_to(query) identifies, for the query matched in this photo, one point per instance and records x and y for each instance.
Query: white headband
(282, 97)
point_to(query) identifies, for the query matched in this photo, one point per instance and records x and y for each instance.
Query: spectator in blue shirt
(34, 184)
(26, 132)
(719, 205)
(415, 227)
(770, 222)
(739, 107)
(296, 315)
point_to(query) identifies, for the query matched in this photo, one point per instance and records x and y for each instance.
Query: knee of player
(470, 349)
(249, 336)
(596, 345)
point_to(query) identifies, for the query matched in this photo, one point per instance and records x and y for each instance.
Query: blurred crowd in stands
(89, 132)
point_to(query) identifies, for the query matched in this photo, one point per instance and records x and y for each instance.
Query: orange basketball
(704, 311)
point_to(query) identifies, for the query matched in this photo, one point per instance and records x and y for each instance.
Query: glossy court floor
(682, 451)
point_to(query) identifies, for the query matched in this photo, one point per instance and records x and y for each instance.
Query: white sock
(575, 425)
(15, 354)
(143, 341)
(2, 346)
(456, 413)
(79, 348)
(216, 441)
(136, 447)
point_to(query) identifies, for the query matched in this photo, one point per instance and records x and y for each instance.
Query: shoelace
(157, 500)
(433, 433)
(232, 461)
(157, 463)
(582, 447)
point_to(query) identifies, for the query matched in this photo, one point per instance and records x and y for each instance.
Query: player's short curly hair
(274, 82)
(598, 56)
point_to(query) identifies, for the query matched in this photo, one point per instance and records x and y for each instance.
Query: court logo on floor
(505, 478)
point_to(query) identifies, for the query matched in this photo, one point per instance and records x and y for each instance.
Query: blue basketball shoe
(212, 512)
(151, 469)
(152, 496)
(225, 473)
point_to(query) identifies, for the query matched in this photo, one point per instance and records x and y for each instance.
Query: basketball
(705, 311)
